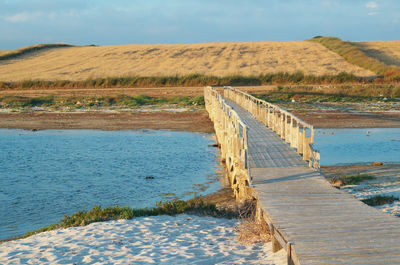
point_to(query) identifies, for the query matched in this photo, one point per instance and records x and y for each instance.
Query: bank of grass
(7, 55)
(380, 200)
(93, 102)
(196, 80)
(187, 80)
(356, 56)
(194, 206)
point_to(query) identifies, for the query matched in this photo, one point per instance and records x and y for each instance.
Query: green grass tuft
(355, 179)
(380, 200)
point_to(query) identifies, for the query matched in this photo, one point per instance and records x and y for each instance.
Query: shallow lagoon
(355, 146)
(46, 174)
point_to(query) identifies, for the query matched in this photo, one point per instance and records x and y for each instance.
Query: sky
(114, 22)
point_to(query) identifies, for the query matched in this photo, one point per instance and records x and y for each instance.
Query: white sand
(387, 182)
(387, 189)
(182, 239)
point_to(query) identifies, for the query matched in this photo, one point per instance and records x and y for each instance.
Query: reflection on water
(358, 146)
(46, 174)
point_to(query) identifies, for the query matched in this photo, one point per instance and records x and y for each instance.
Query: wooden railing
(297, 133)
(230, 130)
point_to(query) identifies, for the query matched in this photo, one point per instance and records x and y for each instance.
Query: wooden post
(305, 144)
(288, 127)
(275, 244)
(300, 139)
(289, 247)
(292, 132)
(269, 116)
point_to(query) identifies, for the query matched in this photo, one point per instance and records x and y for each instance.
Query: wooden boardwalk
(314, 222)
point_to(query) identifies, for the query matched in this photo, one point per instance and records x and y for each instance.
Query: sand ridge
(224, 58)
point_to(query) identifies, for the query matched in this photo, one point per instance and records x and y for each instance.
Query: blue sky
(108, 22)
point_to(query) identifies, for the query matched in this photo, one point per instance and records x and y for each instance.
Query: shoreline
(193, 121)
(337, 120)
(176, 119)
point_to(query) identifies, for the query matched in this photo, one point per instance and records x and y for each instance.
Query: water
(353, 146)
(46, 174)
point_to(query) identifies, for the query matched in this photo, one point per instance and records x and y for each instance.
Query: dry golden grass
(3, 52)
(385, 51)
(220, 59)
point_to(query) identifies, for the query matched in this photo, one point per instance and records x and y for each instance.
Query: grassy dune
(356, 56)
(29, 50)
(216, 59)
(387, 52)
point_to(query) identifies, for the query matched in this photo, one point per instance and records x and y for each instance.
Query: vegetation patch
(356, 56)
(18, 101)
(98, 102)
(351, 179)
(98, 214)
(380, 200)
(332, 93)
(193, 80)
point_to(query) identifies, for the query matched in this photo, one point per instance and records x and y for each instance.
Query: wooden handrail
(289, 127)
(230, 130)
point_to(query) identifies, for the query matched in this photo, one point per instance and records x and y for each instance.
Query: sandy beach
(181, 239)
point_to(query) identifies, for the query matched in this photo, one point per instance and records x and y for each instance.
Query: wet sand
(195, 121)
(325, 119)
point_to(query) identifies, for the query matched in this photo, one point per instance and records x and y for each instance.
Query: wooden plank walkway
(325, 225)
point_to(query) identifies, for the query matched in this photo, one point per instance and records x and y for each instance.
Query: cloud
(329, 3)
(371, 5)
(23, 17)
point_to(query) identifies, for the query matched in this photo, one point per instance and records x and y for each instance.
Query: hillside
(220, 59)
(385, 51)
